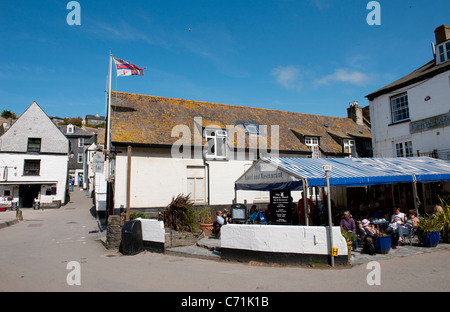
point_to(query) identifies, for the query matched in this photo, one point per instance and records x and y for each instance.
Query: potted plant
(382, 243)
(445, 218)
(350, 238)
(206, 220)
(429, 227)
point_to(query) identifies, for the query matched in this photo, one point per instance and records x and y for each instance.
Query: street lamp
(328, 168)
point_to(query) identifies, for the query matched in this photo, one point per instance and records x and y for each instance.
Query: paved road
(35, 254)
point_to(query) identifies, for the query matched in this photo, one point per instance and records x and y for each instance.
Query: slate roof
(148, 120)
(428, 70)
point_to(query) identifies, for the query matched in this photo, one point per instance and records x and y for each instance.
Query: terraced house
(33, 158)
(164, 147)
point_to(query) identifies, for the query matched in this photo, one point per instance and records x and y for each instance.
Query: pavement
(209, 247)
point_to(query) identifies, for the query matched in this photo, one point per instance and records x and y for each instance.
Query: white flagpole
(108, 130)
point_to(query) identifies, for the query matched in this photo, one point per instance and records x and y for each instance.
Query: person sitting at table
(348, 223)
(369, 229)
(218, 223)
(396, 227)
(253, 214)
(412, 222)
(367, 232)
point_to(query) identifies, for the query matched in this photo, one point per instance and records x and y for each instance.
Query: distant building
(33, 160)
(92, 120)
(78, 140)
(220, 142)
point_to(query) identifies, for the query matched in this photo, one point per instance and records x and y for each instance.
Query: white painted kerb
(282, 238)
(152, 230)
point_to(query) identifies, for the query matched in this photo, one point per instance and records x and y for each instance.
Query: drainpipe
(207, 177)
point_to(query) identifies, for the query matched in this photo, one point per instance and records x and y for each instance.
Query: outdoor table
(380, 222)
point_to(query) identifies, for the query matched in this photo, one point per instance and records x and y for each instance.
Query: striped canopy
(292, 173)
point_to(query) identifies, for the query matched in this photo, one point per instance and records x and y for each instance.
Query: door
(27, 194)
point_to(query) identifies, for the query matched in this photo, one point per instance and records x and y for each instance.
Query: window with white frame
(443, 53)
(217, 143)
(349, 147)
(80, 158)
(404, 149)
(80, 142)
(313, 145)
(70, 129)
(196, 183)
(399, 108)
(399, 149)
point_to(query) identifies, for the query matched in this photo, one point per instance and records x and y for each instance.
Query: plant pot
(383, 244)
(207, 228)
(349, 249)
(430, 239)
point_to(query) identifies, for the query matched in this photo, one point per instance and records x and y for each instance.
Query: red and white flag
(127, 69)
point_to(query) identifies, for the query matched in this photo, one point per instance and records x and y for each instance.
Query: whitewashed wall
(156, 177)
(384, 135)
(282, 239)
(53, 168)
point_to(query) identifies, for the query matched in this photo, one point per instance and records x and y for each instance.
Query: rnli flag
(127, 69)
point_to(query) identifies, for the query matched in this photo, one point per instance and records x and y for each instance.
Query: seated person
(396, 228)
(220, 220)
(347, 223)
(369, 229)
(253, 215)
(412, 222)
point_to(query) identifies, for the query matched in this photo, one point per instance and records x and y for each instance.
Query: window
(80, 142)
(217, 143)
(349, 147)
(31, 167)
(399, 108)
(70, 129)
(443, 53)
(196, 184)
(80, 158)
(399, 149)
(313, 145)
(34, 145)
(408, 149)
(404, 149)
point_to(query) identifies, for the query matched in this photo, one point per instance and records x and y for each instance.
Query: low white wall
(152, 230)
(282, 238)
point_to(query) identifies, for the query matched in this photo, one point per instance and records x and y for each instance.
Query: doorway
(27, 194)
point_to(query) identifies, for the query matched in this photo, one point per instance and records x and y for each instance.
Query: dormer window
(313, 145)
(250, 127)
(70, 129)
(217, 143)
(443, 52)
(349, 147)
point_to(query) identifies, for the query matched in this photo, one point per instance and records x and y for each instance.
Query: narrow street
(35, 254)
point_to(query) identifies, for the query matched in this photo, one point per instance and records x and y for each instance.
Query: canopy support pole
(414, 187)
(305, 201)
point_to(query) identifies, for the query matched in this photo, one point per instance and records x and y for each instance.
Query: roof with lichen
(157, 121)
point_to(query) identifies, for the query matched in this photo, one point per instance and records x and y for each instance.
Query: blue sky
(310, 56)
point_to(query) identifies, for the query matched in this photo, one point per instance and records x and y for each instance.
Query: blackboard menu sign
(281, 206)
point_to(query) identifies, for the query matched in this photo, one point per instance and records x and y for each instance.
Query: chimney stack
(442, 34)
(355, 112)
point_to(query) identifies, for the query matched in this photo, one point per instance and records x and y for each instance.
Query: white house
(411, 116)
(34, 160)
(163, 147)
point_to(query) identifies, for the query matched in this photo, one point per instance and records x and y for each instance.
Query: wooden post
(128, 182)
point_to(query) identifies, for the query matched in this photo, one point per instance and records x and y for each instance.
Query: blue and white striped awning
(292, 173)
